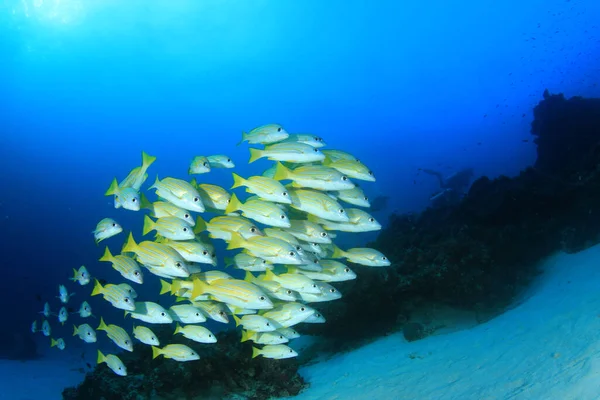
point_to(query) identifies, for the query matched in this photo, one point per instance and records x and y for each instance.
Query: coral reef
(479, 253)
(225, 372)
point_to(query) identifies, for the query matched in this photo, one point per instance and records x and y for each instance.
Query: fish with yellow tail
(265, 134)
(261, 211)
(145, 335)
(169, 227)
(113, 362)
(199, 165)
(362, 256)
(311, 140)
(265, 188)
(220, 161)
(177, 352)
(105, 229)
(196, 333)
(125, 265)
(160, 259)
(85, 333)
(268, 248)
(275, 351)
(117, 334)
(115, 295)
(81, 276)
(178, 192)
(288, 151)
(316, 177)
(58, 343)
(233, 292)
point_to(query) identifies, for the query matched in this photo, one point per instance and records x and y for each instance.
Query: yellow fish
(113, 362)
(235, 292)
(275, 351)
(220, 161)
(261, 211)
(115, 295)
(314, 177)
(363, 256)
(265, 188)
(288, 151)
(179, 192)
(169, 227)
(126, 266)
(265, 134)
(177, 352)
(117, 334)
(199, 165)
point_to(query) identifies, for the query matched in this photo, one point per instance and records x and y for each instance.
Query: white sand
(545, 348)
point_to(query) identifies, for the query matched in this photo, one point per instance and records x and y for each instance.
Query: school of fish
(282, 235)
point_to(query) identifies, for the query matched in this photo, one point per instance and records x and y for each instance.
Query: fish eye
(346, 269)
(316, 138)
(280, 337)
(134, 200)
(282, 216)
(371, 173)
(344, 178)
(284, 194)
(204, 253)
(316, 150)
(127, 342)
(268, 324)
(186, 216)
(262, 298)
(178, 264)
(185, 229)
(323, 234)
(196, 199)
(292, 254)
(298, 248)
(278, 129)
(341, 211)
(302, 308)
(229, 160)
(253, 229)
(205, 164)
(221, 313)
(265, 262)
(371, 219)
(89, 333)
(126, 300)
(332, 290)
(162, 314)
(197, 314)
(291, 351)
(383, 258)
(228, 201)
(114, 224)
(288, 292)
(152, 338)
(209, 335)
(136, 273)
(366, 198)
(314, 286)
(119, 368)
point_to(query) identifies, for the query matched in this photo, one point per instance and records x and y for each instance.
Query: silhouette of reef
(480, 253)
(225, 371)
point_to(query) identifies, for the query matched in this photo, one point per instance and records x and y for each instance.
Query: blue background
(85, 86)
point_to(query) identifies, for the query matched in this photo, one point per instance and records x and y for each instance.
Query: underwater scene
(280, 199)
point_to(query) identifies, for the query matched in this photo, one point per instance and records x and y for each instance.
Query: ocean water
(85, 86)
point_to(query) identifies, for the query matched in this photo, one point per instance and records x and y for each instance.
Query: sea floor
(547, 347)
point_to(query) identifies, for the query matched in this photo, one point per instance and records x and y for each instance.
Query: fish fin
(113, 188)
(248, 277)
(244, 137)
(101, 358)
(255, 154)
(102, 326)
(199, 288)
(229, 262)
(107, 255)
(145, 203)
(281, 172)
(200, 225)
(337, 252)
(75, 330)
(165, 287)
(237, 180)
(194, 182)
(130, 245)
(234, 205)
(269, 275)
(236, 242)
(148, 225)
(97, 288)
(147, 160)
(255, 352)
(53, 342)
(74, 278)
(177, 329)
(155, 352)
(237, 320)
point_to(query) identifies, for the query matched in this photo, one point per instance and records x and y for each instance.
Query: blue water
(85, 86)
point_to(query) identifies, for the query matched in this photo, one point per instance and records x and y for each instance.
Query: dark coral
(480, 253)
(224, 370)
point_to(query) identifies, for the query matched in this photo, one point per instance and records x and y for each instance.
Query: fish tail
(237, 320)
(147, 160)
(53, 342)
(102, 326)
(234, 205)
(97, 288)
(175, 286)
(236, 242)
(200, 225)
(255, 154)
(237, 180)
(145, 203)
(74, 278)
(165, 287)
(113, 188)
(107, 255)
(101, 358)
(75, 330)
(177, 329)
(337, 252)
(156, 182)
(269, 275)
(194, 182)
(244, 137)
(255, 352)
(148, 225)
(247, 335)
(229, 262)
(155, 352)
(199, 288)
(248, 277)
(281, 172)
(130, 245)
